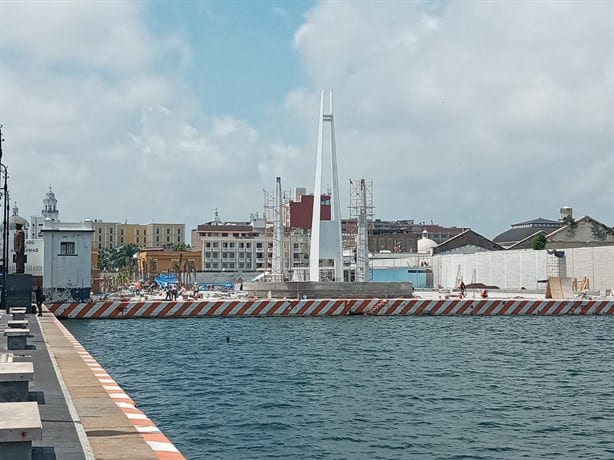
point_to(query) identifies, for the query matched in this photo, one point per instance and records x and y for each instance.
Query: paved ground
(80, 420)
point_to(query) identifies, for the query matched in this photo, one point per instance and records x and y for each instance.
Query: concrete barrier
(18, 313)
(20, 424)
(332, 307)
(17, 324)
(16, 339)
(14, 381)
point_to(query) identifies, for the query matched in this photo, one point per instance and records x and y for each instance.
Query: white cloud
(479, 115)
(88, 111)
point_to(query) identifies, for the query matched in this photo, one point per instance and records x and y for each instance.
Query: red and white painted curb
(160, 444)
(332, 307)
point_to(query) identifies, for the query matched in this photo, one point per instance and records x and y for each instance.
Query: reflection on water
(368, 387)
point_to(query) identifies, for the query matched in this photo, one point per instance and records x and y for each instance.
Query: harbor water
(368, 387)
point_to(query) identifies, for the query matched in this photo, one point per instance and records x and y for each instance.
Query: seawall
(109, 419)
(331, 307)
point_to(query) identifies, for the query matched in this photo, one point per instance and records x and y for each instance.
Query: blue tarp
(163, 279)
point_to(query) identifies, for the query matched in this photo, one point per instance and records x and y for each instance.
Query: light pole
(5, 230)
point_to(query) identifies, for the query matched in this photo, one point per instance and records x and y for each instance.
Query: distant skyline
(464, 113)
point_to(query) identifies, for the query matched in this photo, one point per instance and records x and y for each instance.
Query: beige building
(154, 261)
(113, 234)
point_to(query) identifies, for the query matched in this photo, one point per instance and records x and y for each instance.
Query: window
(178, 239)
(157, 231)
(178, 231)
(168, 239)
(231, 245)
(67, 248)
(110, 230)
(248, 245)
(157, 239)
(168, 231)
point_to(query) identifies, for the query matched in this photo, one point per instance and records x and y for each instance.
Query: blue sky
(466, 113)
(242, 56)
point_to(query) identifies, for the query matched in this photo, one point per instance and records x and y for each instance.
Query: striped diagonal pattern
(332, 307)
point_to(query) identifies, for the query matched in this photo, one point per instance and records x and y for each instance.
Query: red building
(301, 211)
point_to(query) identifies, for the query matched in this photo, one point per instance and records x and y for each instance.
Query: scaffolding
(361, 211)
(277, 269)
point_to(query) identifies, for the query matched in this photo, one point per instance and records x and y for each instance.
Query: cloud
(467, 113)
(91, 106)
(472, 114)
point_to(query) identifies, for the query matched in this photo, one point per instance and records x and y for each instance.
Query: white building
(68, 261)
(49, 211)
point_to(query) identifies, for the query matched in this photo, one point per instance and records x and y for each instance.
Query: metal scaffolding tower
(277, 269)
(361, 209)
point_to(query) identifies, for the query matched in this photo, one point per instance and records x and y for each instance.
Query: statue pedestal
(19, 290)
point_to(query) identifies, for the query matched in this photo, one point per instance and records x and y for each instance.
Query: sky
(463, 113)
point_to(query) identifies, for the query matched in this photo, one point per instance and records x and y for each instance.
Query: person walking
(40, 298)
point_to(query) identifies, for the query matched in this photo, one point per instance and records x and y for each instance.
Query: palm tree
(176, 264)
(189, 267)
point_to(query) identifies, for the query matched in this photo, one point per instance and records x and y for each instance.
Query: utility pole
(5, 233)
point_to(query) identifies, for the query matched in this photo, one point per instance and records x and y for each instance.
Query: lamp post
(5, 229)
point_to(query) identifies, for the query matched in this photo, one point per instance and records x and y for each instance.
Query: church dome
(17, 219)
(425, 244)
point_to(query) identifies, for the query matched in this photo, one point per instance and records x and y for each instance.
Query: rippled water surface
(366, 387)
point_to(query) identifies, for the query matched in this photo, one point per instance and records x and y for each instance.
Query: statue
(19, 245)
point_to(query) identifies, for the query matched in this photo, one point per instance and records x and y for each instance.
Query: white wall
(514, 269)
(67, 271)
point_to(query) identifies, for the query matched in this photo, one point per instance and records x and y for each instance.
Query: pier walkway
(80, 420)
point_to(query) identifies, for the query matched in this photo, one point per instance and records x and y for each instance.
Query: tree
(539, 242)
(189, 268)
(115, 259)
(180, 247)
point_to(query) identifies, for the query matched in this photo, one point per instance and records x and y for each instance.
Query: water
(367, 387)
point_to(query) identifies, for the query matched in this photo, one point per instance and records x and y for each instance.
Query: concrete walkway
(80, 420)
(109, 432)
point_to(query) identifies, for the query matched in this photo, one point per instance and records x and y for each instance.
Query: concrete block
(16, 338)
(18, 324)
(20, 424)
(18, 289)
(14, 381)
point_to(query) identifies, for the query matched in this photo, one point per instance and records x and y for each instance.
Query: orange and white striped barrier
(331, 307)
(160, 444)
